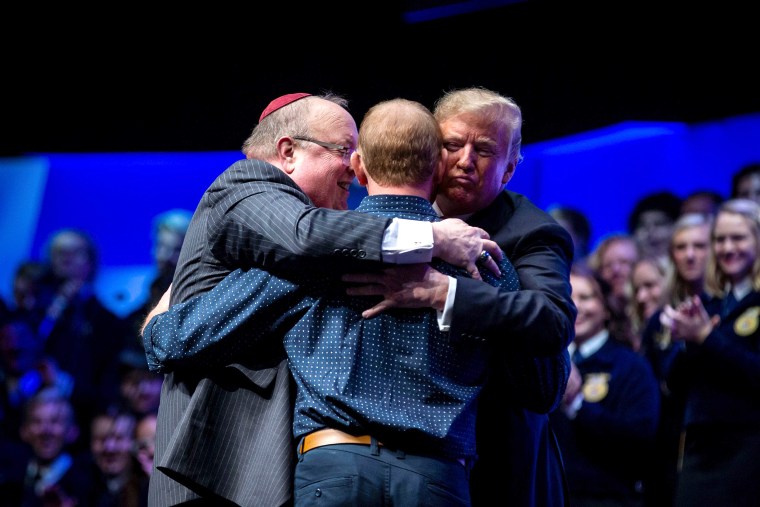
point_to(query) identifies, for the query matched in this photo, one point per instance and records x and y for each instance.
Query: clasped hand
(689, 321)
(401, 286)
(461, 245)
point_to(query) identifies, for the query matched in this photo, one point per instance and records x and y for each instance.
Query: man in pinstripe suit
(224, 434)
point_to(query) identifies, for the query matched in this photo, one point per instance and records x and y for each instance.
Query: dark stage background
(141, 78)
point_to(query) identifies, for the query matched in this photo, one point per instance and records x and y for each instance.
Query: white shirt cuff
(408, 242)
(444, 316)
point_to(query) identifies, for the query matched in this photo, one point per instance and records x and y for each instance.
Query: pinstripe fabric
(253, 215)
(225, 433)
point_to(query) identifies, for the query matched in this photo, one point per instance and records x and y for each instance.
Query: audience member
(651, 222)
(608, 418)
(701, 201)
(24, 371)
(80, 333)
(167, 234)
(720, 366)
(140, 388)
(648, 278)
(689, 249)
(145, 442)
(745, 183)
(577, 224)
(54, 474)
(27, 282)
(294, 174)
(612, 262)
(118, 479)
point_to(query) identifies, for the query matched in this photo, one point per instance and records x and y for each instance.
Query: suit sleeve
(529, 329)
(275, 226)
(254, 216)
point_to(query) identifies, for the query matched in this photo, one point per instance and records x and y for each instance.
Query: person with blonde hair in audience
(648, 278)
(612, 262)
(688, 252)
(719, 366)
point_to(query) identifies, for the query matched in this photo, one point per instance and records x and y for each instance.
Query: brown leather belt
(329, 436)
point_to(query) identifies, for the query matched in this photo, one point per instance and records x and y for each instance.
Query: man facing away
(519, 461)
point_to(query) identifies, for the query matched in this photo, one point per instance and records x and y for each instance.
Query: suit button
(354, 253)
(362, 254)
(318, 492)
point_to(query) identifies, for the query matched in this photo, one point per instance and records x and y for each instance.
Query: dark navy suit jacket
(519, 461)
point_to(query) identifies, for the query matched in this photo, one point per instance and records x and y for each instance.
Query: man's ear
(357, 164)
(509, 172)
(285, 153)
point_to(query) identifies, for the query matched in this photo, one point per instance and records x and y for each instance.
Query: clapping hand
(689, 321)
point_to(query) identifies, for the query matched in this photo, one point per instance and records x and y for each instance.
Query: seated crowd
(78, 404)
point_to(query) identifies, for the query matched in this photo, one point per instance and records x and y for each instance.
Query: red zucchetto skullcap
(281, 102)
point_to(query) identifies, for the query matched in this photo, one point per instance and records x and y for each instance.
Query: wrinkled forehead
(330, 122)
(476, 126)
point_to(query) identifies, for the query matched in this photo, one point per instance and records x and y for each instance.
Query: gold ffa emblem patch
(662, 338)
(747, 322)
(595, 386)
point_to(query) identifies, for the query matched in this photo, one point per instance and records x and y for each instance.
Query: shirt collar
(460, 217)
(742, 288)
(591, 345)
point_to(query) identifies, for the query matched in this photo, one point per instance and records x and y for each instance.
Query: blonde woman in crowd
(648, 280)
(720, 366)
(612, 262)
(688, 252)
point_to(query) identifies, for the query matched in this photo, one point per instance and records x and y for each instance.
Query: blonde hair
(596, 256)
(664, 268)
(715, 279)
(489, 105)
(677, 288)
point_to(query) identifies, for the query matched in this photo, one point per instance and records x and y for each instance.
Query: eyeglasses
(344, 151)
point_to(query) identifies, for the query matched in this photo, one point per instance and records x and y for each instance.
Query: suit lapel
(493, 217)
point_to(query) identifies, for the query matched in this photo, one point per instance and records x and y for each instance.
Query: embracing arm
(539, 319)
(530, 328)
(258, 216)
(214, 328)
